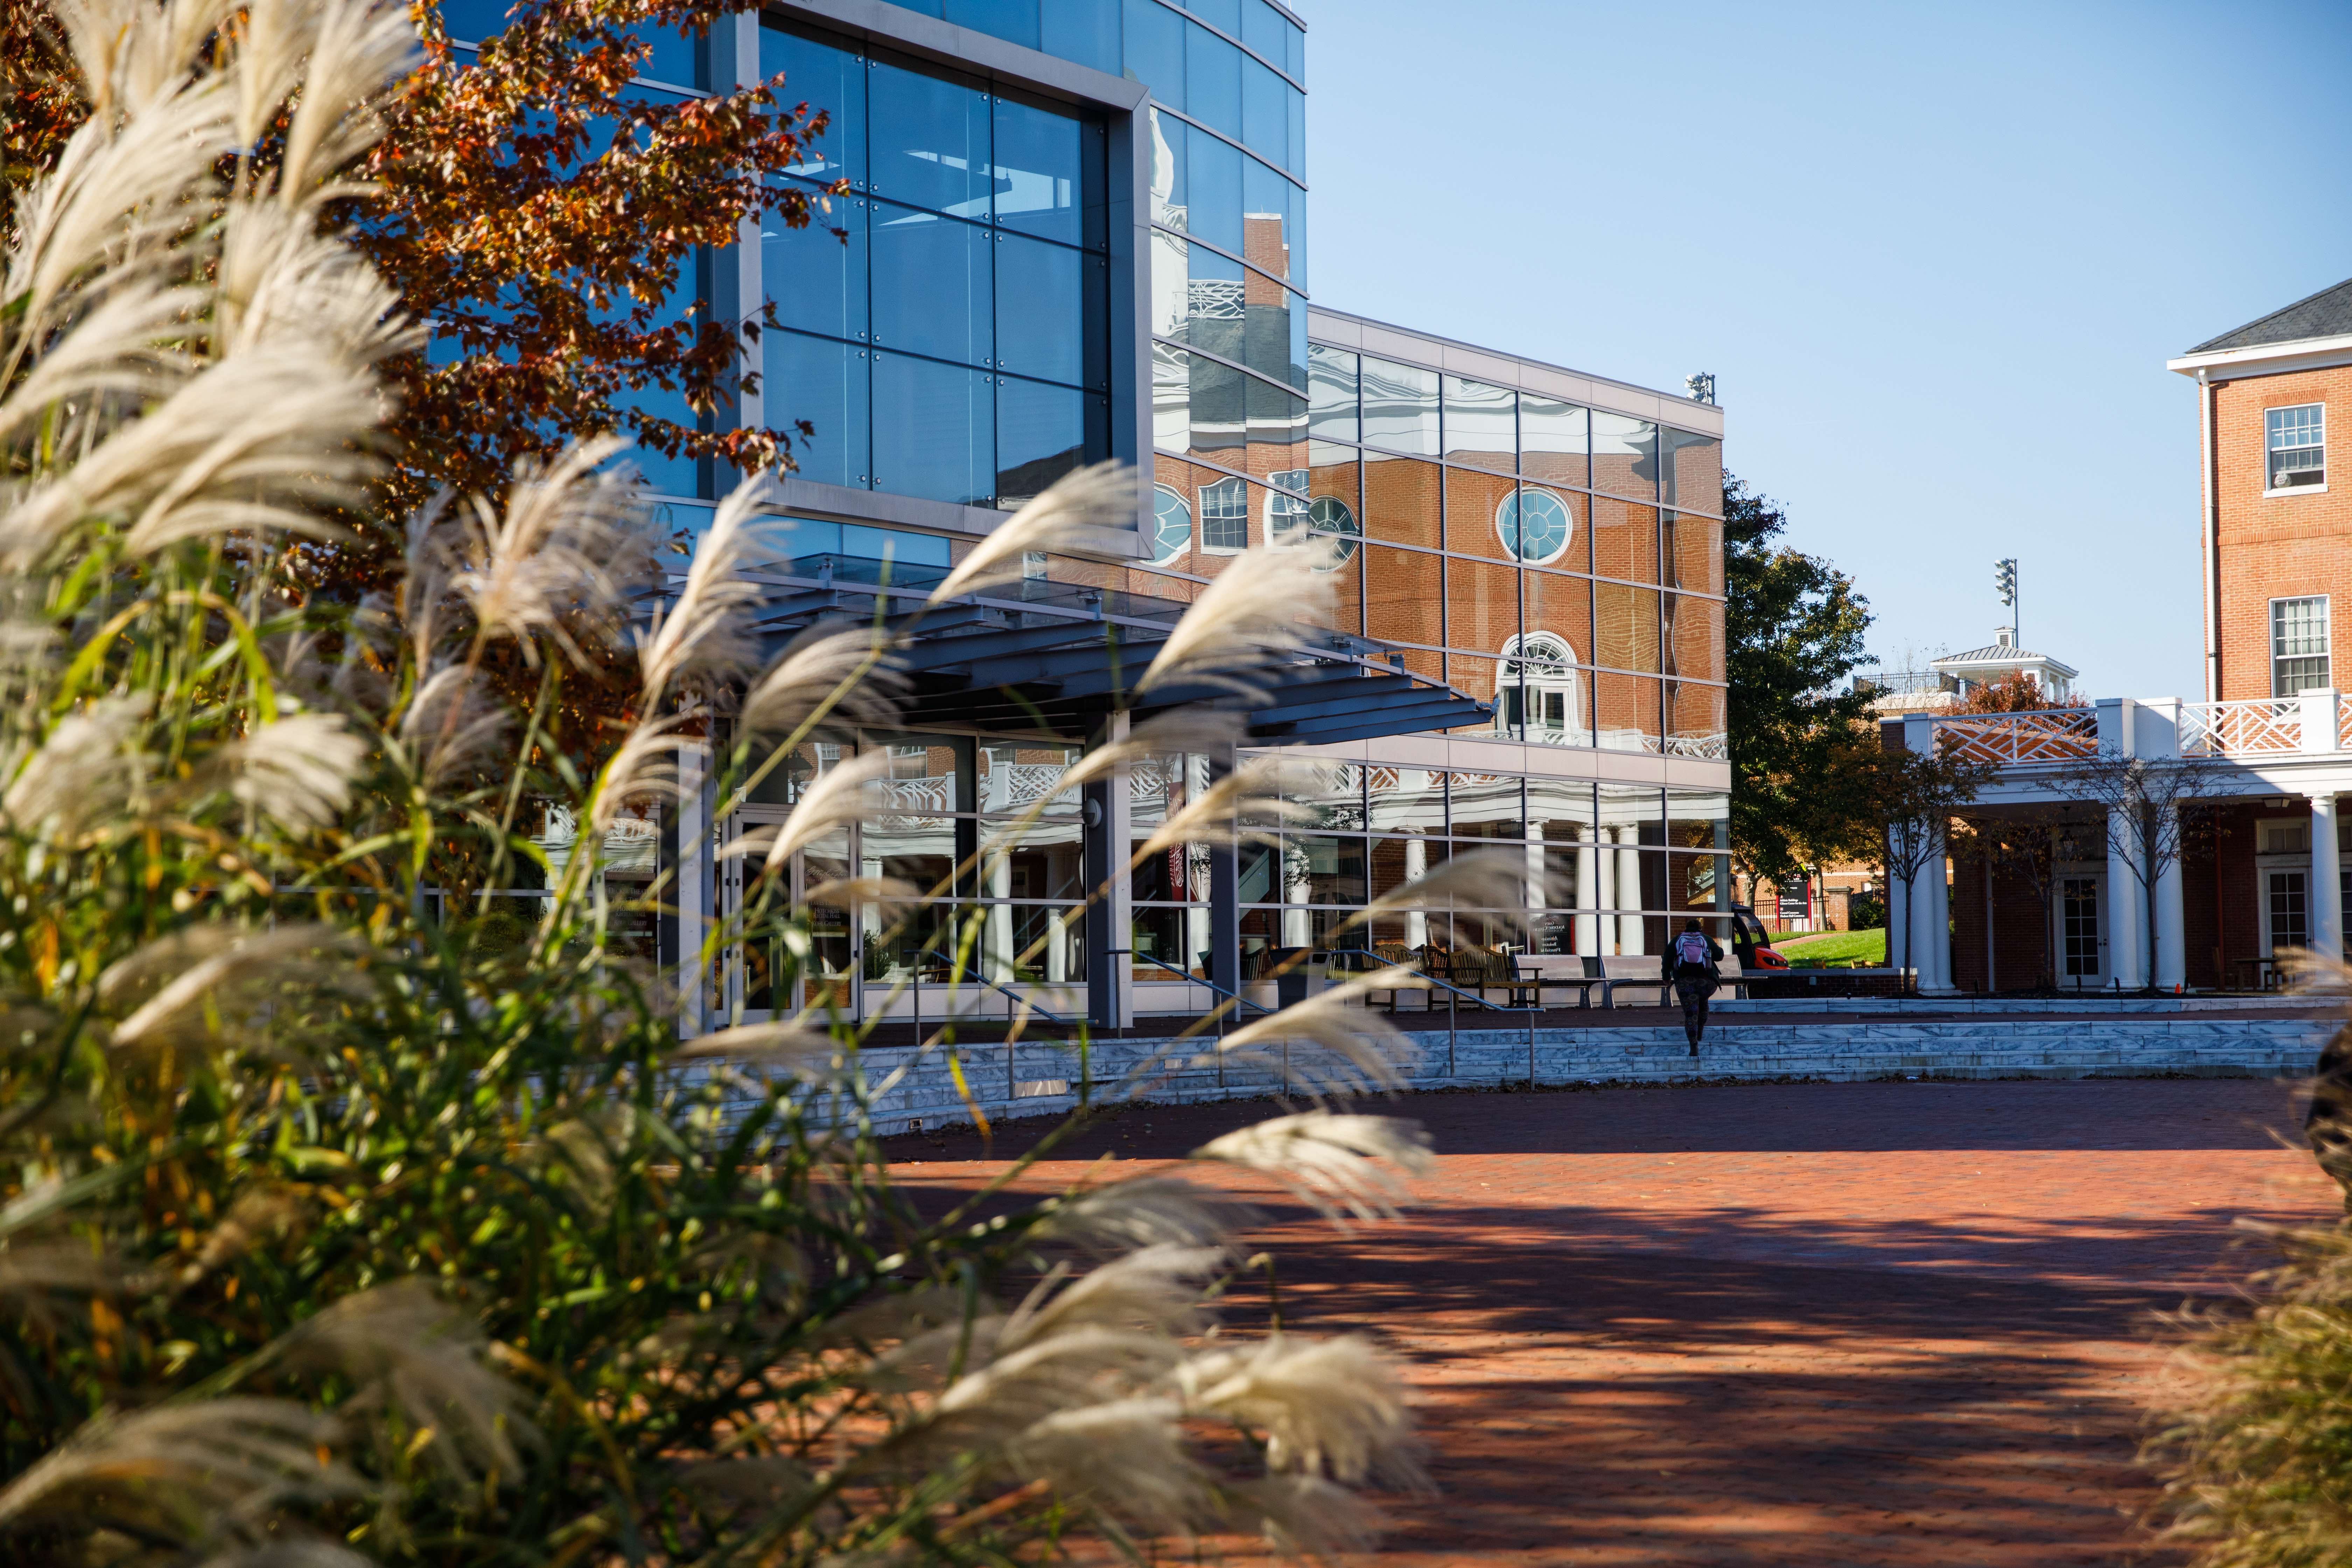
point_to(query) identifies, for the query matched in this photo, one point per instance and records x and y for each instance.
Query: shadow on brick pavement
(1845, 1323)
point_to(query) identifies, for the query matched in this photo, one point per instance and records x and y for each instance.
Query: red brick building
(2263, 871)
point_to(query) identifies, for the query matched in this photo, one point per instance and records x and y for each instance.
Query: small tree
(2016, 692)
(2026, 840)
(1897, 806)
(2155, 807)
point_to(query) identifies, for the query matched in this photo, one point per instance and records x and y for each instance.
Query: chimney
(2002, 637)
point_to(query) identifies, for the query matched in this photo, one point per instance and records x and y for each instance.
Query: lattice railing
(2241, 729)
(2046, 735)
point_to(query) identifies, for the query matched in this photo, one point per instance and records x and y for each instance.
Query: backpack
(1691, 949)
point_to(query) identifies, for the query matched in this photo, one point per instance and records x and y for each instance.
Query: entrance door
(2082, 956)
(2286, 909)
(757, 981)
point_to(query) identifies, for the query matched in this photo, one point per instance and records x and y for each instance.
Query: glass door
(2080, 959)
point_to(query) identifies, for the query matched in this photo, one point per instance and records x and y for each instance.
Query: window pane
(1015, 775)
(2298, 439)
(1696, 721)
(1399, 407)
(1625, 712)
(1212, 81)
(1297, 164)
(1211, 190)
(1208, 312)
(1085, 31)
(1266, 30)
(815, 278)
(1624, 540)
(930, 141)
(1048, 173)
(676, 56)
(1224, 516)
(1405, 800)
(1625, 626)
(1331, 391)
(1155, 50)
(2299, 645)
(1481, 425)
(1401, 501)
(1273, 223)
(1486, 806)
(1321, 868)
(931, 285)
(1625, 454)
(1405, 594)
(1266, 111)
(1559, 617)
(1694, 553)
(1198, 404)
(1552, 440)
(1014, 21)
(1693, 471)
(1333, 792)
(1044, 432)
(1482, 602)
(1546, 704)
(935, 430)
(1693, 638)
(832, 80)
(1052, 312)
(824, 383)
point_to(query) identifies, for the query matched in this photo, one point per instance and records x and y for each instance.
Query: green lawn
(1866, 949)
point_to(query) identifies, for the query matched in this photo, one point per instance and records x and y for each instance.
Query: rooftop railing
(2309, 723)
(2045, 735)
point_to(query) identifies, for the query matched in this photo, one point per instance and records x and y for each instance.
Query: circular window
(1534, 525)
(1172, 523)
(1329, 515)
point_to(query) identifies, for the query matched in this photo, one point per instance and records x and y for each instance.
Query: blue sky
(1935, 256)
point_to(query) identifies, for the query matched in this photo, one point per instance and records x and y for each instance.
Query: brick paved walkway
(1872, 1323)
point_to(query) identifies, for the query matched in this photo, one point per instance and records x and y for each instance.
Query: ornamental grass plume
(359, 1200)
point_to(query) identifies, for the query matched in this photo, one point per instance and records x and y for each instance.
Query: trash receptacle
(1307, 973)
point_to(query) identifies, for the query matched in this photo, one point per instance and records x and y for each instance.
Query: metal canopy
(1048, 656)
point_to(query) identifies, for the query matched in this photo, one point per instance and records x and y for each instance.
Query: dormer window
(2298, 439)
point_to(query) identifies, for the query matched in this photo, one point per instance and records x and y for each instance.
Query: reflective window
(1014, 21)
(832, 80)
(1273, 223)
(1085, 31)
(1332, 393)
(1052, 310)
(930, 140)
(816, 276)
(932, 284)
(1171, 518)
(1399, 407)
(1266, 111)
(934, 430)
(1224, 14)
(1155, 49)
(1534, 526)
(1481, 425)
(1043, 432)
(1212, 81)
(1625, 454)
(1224, 517)
(825, 381)
(1268, 31)
(1691, 471)
(1049, 175)
(1210, 191)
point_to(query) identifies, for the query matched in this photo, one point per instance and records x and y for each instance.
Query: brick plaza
(1869, 1323)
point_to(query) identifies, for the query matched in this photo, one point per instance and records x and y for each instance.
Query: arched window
(1537, 691)
(1534, 526)
(1327, 515)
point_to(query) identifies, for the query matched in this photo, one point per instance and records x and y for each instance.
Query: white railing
(2241, 729)
(2044, 735)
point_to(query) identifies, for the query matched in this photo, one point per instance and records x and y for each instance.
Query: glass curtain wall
(947, 321)
(1564, 563)
(1613, 869)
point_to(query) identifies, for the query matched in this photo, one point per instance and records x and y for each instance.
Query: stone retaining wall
(1038, 1077)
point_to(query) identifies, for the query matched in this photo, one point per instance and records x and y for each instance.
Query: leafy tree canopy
(1794, 627)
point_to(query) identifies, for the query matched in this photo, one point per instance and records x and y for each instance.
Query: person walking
(1690, 966)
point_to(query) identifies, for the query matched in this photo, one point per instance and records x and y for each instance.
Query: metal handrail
(1238, 1000)
(1434, 980)
(956, 971)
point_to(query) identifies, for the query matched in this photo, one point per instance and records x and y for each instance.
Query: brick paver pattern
(1886, 1323)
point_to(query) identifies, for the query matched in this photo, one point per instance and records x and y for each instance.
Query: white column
(1604, 889)
(1416, 866)
(2171, 926)
(2327, 887)
(1629, 890)
(1939, 940)
(1588, 894)
(1295, 889)
(1929, 923)
(997, 939)
(2124, 895)
(1538, 889)
(1902, 942)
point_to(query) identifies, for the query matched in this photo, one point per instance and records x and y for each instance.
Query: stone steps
(1041, 1077)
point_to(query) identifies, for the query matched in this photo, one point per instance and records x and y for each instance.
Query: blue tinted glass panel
(1085, 31)
(1278, 332)
(1213, 316)
(1225, 14)
(473, 20)
(1155, 50)
(934, 430)
(827, 79)
(1296, 161)
(816, 278)
(679, 476)
(1044, 432)
(1276, 417)
(1265, 30)
(1212, 189)
(676, 56)
(1051, 313)
(1014, 21)
(1273, 223)
(890, 544)
(1049, 174)
(931, 285)
(929, 140)
(1298, 36)
(824, 383)
(798, 537)
(1169, 139)
(1212, 81)
(1331, 388)
(1266, 111)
